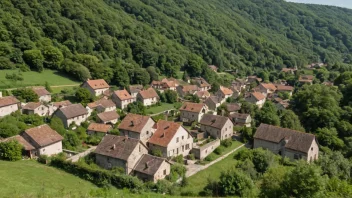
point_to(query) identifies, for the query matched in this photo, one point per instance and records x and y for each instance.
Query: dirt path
(55, 86)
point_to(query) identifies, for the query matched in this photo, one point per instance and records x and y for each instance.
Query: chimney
(113, 147)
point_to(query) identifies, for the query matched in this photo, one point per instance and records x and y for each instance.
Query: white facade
(148, 101)
(45, 98)
(7, 110)
(51, 149)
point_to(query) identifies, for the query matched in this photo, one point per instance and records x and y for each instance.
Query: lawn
(159, 109)
(198, 181)
(234, 145)
(32, 78)
(28, 178)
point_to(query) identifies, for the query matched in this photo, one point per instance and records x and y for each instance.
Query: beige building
(287, 143)
(43, 94)
(110, 117)
(122, 98)
(164, 84)
(202, 151)
(137, 127)
(148, 97)
(119, 151)
(202, 95)
(96, 87)
(101, 105)
(266, 88)
(217, 126)
(151, 168)
(239, 119)
(8, 105)
(171, 138)
(35, 108)
(192, 112)
(184, 90)
(72, 114)
(257, 99)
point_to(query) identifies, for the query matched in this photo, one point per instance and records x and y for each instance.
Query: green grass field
(198, 181)
(234, 145)
(159, 109)
(28, 178)
(31, 78)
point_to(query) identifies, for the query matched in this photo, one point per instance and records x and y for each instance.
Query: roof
(106, 103)
(149, 93)
(8, 100)
(225, 90)
(120, 147)
(73, 110)
(135, 88)
(214, 99)
(202, 94)
(31, 105)
(134, 122)
(214, 121)
(189, 88)
(288, 70)
(43, 135)
(201, 82)
(298, 141)
(213, 67)
(233, 107)
(258, 96)
(238, 116)
(148, 164)
(269, 86)
(164, 133)
(284, 88)
(26, 145)
(192, 107)
(62, 103)
(40, 91)
(97, 84)
(306, 78)
(99, 127)
(123, 94)
(108, 116)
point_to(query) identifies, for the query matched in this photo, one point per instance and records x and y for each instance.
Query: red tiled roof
(258, 96)
(123, 94)
(134, 122)
(98, 84)
(166, 130)
(149, 93)
(284, 88)
(269, 86)
(40, 91)
(192, 107)
(226, 91)
(8, 100)
(43, 135)
(189, 88)
(104, 128)
(108, 116)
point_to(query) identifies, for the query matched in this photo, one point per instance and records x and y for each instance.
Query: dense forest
(119, 39)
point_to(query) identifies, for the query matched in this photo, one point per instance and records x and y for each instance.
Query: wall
(7, 110)
(205, 150)
(135, 156)
(121, 104)
(101, 109)
(313, 153)
(109, 162)
(273, 147)
(144, 135)
(77, 120)
(157, 176)
(147, 102)
(51, 149)
(42, 110)
(46, 98)
(183, 146)
(187, 116)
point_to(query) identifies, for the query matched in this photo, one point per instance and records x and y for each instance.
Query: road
(75, 158)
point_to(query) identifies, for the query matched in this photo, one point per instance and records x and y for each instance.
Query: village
(147, 146)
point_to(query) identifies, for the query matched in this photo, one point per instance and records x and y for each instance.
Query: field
(234, 145)
(30, 179)
(31, 78)
(159, 109)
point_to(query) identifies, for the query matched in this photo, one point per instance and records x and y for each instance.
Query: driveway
(75, 158)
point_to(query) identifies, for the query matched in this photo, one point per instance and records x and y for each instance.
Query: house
(281, 104)
(72, 114)
(289, 70)
(306, 79)
(148, 97)
(164, 84)
(43, 94)
(252, 79)
(109, 117)
(224, 93)
(119, 151)
(134, 90)
(151, 168)
(217, 126)
(240, 83)
(213, 102)
(102, 105)
(171, 139)
(97, 128)
(184, 90)
(55, 105)
(286, 142)
(284, 89)
(236, 91)
(137, 126)
(8, 104)
(213, 68)
(96, 87)
(239, 119)
(122, 98)
(232, 108)
(266, 88)
(328, 83)
(35, 108)
(316, 65)
(257, 99)
(202, 95)
(192, 112)
(202, 84)
(44, 140)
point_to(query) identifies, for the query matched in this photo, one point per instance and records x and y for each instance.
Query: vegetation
(11, 150)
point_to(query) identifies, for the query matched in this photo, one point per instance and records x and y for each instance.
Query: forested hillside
(118, 39)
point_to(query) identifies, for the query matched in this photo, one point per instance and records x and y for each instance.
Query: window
(165, 172)
(177, 140)
(297, 156)
(140, 149)
(188, 136)
(147, 132)
(182, 137)
(183, 148)
(187, 146)
(311, 148)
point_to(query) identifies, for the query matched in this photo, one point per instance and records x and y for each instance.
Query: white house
(122, 98)
(72, 114)
(148, 97)
(224, 93)
(8, 104)
(190, 112)
(43, 94)
(35, 108)
(217, 126)
(257, 99)
(96, 87)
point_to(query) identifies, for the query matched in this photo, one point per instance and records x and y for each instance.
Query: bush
(157, 152)
(11, 150)
(219, 150)
(226, 143)
(178, 159)
(44, 159)
(210, 157)
(191, 156)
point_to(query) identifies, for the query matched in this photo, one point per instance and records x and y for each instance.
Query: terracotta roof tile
(148, 164)
(8, 100)
(40, 91)
(258, 96)
(97, 84)
(104, 128)
(31, 105)
(73, 110)
(123, 95)
(43, 135)
(149, 93)
(108, 116)
(202, 94)
(189, 88)
(134, 122)
(106, 103)
(269, 86)
(164, 133)
(192, 107)
(284, 88)
(226, 91)
(214, 121)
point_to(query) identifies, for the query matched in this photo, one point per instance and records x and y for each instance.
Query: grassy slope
(31, 78)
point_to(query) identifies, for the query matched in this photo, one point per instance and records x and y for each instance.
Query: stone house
(281, 104)
(202, 95)
(171, 139)
(287, 143)
(72, 114)
(239, 119)
(213, 102)
(8, 105)
(306, 79)
(224, 93)
(217, 126)
(43, 94)
(164, 84)
(122, 98)
(184, 90)
(257, 99)
(98, 128)
(109, 117)
(101, 105)
(236, 91)
(134, 90)
(119, 151)
(240, 83)
(151, 168)
(137, 127)
(266, 88)
(96, 87)
(35, 108)
(190, 112)
(148, 97)
(55, 105)
(202, 84)
(202, 151)
(284, 89)
(28, 149)
(232, 108)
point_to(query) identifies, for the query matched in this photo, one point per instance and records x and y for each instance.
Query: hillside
(113, 38)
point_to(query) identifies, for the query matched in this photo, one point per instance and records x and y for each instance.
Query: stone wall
(200, 152)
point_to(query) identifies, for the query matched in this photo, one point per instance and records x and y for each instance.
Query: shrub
(178, 159)
(11, 150)
(226, 143)
(191, 156)
(210, 157)
(157, 152)
(219, 150)
(44, 159)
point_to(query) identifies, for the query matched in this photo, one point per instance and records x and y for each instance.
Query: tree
(34, 59)
(335, 165)
(262, 160)
(328, 137)
(71, 140)
(25, 95)
(152, 73)
(272, 182)
(247, 134)
(171, 96)
(194, 65)
(11, 150)
(268, 115)
(141, 76)
(235, 183)
(47, 87)
(121, 78)
(83, 96)
(185, 76)
(57, 125)
(290, 120)
(52, 57)
(8, 129)
(136, 108)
